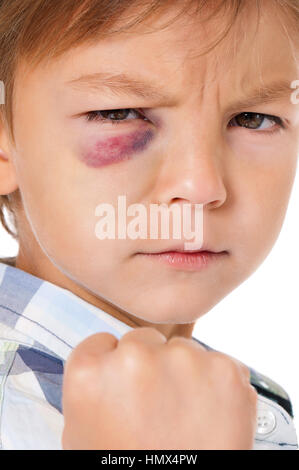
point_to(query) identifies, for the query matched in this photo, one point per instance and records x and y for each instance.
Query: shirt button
(266, 421)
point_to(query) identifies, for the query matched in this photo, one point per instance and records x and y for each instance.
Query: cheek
(114, 149)
(261, 214)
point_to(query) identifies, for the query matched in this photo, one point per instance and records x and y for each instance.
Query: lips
(187, 260)
(180, 249)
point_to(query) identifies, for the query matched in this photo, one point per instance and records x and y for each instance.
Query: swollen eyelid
(114, 149)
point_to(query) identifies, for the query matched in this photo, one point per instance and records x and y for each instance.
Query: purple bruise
(117, 148)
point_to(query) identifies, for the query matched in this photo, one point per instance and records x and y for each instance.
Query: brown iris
(250, 120)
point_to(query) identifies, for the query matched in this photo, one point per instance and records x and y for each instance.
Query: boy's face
(197, 153)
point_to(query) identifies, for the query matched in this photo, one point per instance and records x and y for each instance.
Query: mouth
(190, 260)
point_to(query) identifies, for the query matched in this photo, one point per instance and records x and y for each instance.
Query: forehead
(175, 55)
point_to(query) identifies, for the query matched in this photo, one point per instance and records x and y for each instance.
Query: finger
(144, 335)
(243, 368)
(187, 342)
(82, 365)
(93, 347)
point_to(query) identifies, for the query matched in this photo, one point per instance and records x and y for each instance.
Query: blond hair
(35, 30)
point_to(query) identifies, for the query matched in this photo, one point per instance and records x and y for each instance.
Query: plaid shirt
(40, 324)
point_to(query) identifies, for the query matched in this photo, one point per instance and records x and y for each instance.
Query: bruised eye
(115, 116)
(257, 121)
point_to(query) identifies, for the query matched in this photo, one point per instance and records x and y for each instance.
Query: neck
(51, 274)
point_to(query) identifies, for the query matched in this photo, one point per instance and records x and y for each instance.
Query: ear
(8, 177)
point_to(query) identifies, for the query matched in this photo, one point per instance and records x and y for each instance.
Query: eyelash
(95, 116)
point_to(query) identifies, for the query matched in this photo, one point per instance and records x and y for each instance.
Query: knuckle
(145, 334)
(245, 371)
(97, 344)
(77, 370)
(180, 341)
(226, 366)
(148, 330)
(177, 340)
(181, 348)
(198, 346)
(91, 350)
(76, 362)
(135, 355)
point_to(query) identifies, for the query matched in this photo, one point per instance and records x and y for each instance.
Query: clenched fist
(144, 392)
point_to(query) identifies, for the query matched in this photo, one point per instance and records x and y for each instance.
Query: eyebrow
(122, 84)
(262, 94)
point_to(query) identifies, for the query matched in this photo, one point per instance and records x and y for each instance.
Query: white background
(258, 322)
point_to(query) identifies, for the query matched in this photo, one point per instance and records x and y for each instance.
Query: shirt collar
(52, 317)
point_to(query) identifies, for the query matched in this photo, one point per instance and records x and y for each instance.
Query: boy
(163, 102)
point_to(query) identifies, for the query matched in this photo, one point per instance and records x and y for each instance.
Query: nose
(192, 171)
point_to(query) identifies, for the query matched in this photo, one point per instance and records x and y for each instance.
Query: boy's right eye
(117, 116)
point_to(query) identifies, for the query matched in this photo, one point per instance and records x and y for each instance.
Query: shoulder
(31, 400)
(275, 426)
